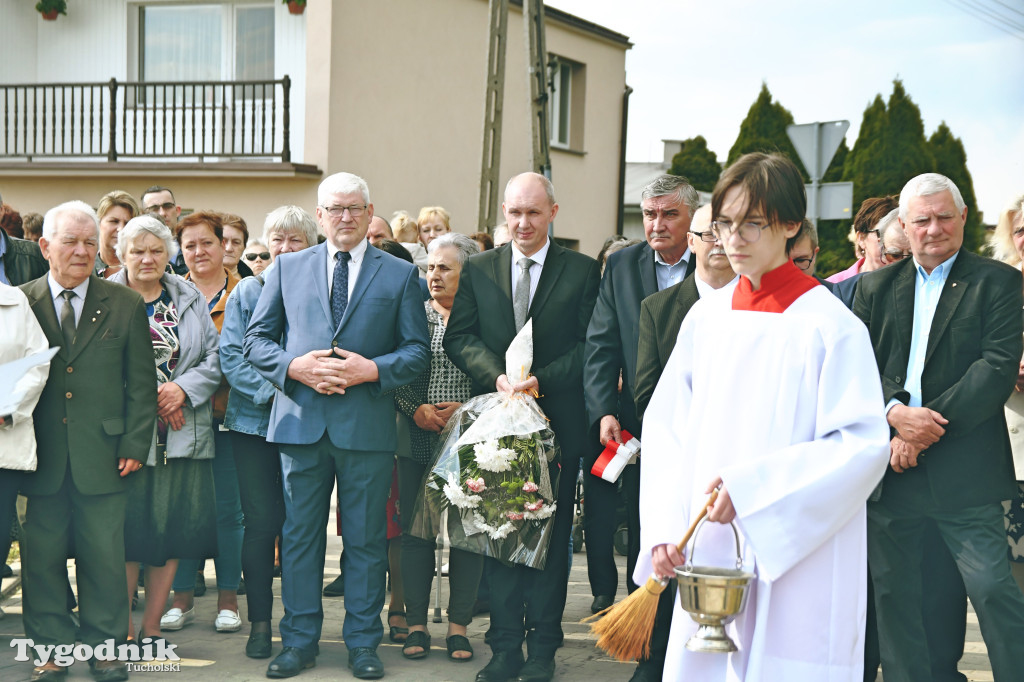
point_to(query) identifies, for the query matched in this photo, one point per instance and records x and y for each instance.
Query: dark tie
(521, 299)
(339, 290)
(67, 319)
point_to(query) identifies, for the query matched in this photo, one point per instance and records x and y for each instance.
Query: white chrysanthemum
(542, 513)
(457, 496)
(498, 533)
(490, 457)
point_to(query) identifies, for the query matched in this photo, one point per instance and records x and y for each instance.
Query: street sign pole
(816, 144)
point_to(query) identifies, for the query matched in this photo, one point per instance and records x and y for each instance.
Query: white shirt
(535, 269)
(704, 289)
(77, 303)
(357, 254)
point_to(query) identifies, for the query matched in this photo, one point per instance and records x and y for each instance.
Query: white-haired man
(94, 423)
(356, 330)
(946, 329)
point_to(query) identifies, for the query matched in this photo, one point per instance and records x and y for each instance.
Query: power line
(1009, 7)
(994, 15)
(991, 23)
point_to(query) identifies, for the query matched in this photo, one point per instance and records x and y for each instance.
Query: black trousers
(976, 538)
(10, 481)
(258, 464)
(527, 603)
(945, 614)
(95, 523)
(600, 499)
(418, 563)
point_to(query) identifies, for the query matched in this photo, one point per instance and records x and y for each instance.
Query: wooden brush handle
(693, 526)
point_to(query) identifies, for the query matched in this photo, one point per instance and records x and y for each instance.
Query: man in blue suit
(337, 327)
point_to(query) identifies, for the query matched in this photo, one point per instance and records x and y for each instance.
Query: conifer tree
(764, 130)
(697, 163)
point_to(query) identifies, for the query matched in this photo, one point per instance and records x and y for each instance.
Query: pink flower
(476, 484)
(530, 487)
(514, 516)
(534, 506)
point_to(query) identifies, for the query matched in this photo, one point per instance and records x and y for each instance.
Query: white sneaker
(227, 621)
(175, 619)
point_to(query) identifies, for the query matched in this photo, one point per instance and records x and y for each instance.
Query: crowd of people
(212, 388)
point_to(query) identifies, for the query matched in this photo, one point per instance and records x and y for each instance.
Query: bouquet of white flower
(493, 471)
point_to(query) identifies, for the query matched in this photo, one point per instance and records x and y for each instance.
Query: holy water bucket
(713, 596)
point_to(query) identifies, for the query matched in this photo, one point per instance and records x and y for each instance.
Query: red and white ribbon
(615, 457)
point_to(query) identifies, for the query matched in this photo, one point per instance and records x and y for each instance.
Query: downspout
(621, 207)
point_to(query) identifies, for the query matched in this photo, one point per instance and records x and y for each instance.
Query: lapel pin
(94, 319)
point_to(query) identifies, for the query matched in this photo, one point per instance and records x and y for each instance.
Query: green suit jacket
(661, 315)
(99, 403)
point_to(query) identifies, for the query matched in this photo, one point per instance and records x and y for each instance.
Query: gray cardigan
(197, 373)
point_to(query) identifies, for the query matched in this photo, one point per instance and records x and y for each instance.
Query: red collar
(779, 288)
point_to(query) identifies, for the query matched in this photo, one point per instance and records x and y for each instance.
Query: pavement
(211, 656)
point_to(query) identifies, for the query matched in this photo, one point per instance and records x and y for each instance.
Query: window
(206, 42)
(568, 88)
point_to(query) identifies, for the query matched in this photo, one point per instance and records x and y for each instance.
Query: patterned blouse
(443, 382)
(163, 328)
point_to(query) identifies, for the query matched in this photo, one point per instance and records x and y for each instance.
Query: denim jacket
(251, 395)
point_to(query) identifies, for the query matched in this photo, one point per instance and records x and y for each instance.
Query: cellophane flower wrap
(492, 472)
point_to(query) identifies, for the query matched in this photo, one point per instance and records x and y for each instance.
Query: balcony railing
(202, 121)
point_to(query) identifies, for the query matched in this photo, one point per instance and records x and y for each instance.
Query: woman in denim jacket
(286, 229)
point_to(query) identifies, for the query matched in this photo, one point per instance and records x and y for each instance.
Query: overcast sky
(696, 67)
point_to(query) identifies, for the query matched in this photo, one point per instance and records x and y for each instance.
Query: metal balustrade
(185, 121)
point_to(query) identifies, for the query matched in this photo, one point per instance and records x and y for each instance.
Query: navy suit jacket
(384, 321)
(614, 333)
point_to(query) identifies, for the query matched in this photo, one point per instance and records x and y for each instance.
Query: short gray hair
(463, 245)
(886, 224)
(342, 183)
(925, 185)
(667, 185)
(255, 241)
(134, 228)
(549, 188)
(292, 219)
(50, 220)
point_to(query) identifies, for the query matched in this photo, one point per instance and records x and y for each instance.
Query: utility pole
(494, 100)
(489, 214)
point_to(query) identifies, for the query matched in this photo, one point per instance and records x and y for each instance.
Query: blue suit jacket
(384, 322)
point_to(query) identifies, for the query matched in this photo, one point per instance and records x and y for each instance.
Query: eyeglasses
(749, 231)
(894, 256)
(355, 210)
(155, 208)
(263, 255)
(705, 236)
(803, 263)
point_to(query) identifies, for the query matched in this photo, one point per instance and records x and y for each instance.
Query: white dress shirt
(77, 303)
(535, 269)
(357, 253)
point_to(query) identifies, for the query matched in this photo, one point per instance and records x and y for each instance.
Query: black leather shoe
(259, 645)
(49, 671)
(504, 666)
(537, 670)
(335, 588)
(365, 663)
(601, 602)
(108, 671)
(290, 662)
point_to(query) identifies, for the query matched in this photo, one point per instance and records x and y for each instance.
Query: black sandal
(458, 643)
(398, 633)
(417, 638)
